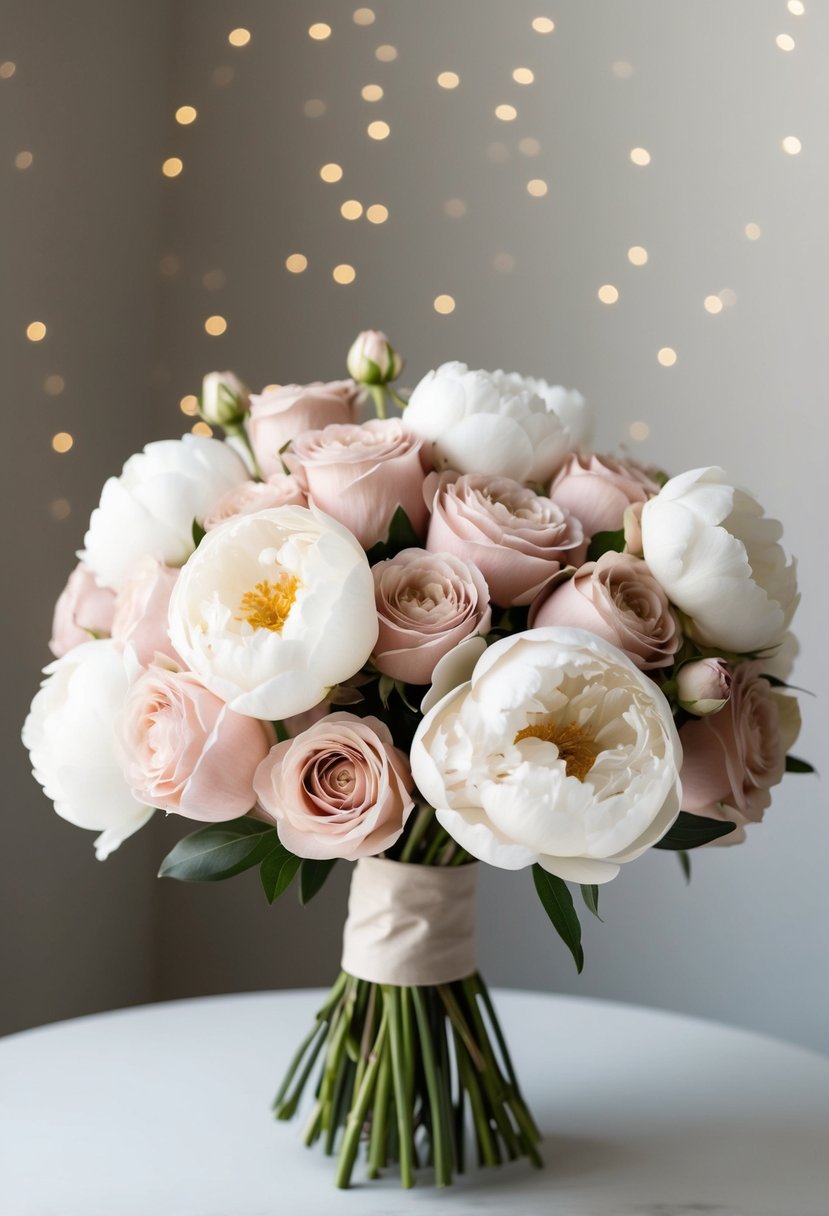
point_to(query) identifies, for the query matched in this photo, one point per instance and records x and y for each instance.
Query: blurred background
(629, 197)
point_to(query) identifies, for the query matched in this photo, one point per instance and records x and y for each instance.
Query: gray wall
(710, 96)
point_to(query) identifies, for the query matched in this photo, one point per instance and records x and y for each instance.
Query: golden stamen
(575, 747)
(269, 604)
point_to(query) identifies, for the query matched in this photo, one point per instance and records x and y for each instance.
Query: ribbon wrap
(410, 925)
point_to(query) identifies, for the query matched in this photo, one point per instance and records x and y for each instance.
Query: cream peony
(558, 751)
(70, 733)
(149, 510)
(494, 423)
(719, 560)
(273, 609)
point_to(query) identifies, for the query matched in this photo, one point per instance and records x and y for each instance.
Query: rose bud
(703, 687)
(224, 399)
(372, 359)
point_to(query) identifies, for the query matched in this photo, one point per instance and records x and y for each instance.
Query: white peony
(273, 609)
(496, 423)
(149, 510)
(70, 734)
(719, 560)
(558, 750)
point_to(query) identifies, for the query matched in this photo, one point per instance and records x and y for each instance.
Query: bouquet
(446, 635)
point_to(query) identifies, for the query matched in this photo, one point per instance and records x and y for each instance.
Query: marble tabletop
(164, 1110)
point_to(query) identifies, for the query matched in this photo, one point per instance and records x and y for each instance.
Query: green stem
(525, 1119)
(440, 1132)
(359, 1110)
(380, 1114)
(317, 1029)
(424, 817)
(396, 398)
(239, 431)
(502, 1096)
(460, 1024)
(391, 997)
(440, 839)
(378, 396)
(487, 1151)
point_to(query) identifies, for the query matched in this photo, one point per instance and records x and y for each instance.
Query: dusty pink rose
(183, 750)
(278, 415)
(360, 475)
(340, 789)
(83, 610)
(598, 490)
(426, 604)
(141, 610)
(618, 598)
(518, 539)
(280, 490)
(734, 757)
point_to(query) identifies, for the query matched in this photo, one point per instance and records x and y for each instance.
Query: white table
(164, 1111)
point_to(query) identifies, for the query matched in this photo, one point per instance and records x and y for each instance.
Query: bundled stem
(425, 1056)
(402, 1066)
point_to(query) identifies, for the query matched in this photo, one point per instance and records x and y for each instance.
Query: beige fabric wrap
(409, 924)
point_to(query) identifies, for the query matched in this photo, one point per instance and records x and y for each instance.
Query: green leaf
(311, 878)
(685, 863)
(277, 872)
(219, 851)
(558, 904)
(198, 533)
(590, 895)
(605, 542)
(794, 765)
(401, 535)
(692, 831)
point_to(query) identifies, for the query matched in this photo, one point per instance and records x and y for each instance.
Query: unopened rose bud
(224, 399)
(632, 523)
(704, 686)
(372, 359)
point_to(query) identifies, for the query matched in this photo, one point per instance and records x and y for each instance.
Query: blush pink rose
(617, 598)
(83, 610)
(734, 757)
(360, 475)
(278, 415)
(183, 750)
(426, 604)
(518, 539)
(141, 612)
(340, 789)
(280, 490)
(599, 489)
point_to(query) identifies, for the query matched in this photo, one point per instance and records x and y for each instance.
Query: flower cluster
(449, 632)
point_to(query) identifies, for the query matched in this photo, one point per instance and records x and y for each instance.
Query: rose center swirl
(575, 747)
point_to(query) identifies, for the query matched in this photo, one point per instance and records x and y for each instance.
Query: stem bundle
(401, 1066)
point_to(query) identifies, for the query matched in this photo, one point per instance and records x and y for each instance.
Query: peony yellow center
(575, 747)
(268, 605)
